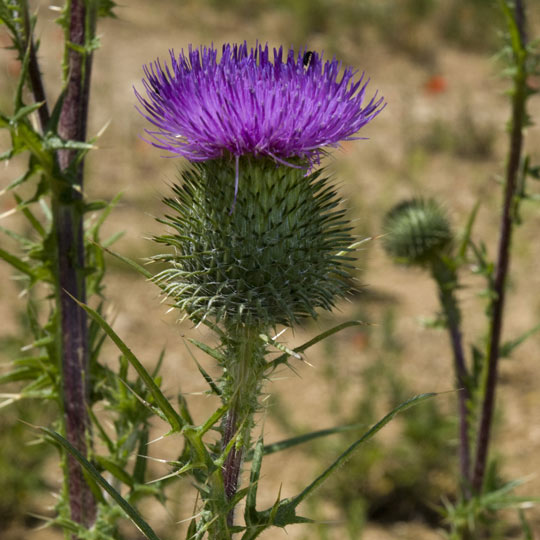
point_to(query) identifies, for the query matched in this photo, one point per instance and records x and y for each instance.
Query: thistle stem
(233, 462)
(446, 280)
(69, 236)
(503, 258)
(242, 388)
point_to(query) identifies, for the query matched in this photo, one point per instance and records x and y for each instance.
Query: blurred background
(442, 135)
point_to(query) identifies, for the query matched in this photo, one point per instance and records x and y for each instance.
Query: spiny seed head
(417, 232)
(271, 260)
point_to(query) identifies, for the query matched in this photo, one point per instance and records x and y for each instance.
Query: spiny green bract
(417, 232)
(269, 257)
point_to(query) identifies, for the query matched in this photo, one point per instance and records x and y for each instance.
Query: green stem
(242, 386)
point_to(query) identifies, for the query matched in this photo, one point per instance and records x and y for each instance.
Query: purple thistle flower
(245, 103)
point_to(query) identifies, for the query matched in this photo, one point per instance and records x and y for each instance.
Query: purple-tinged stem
(68, 230)
(68, 227)
(503, 256)
(446, 280)
(233, 461)
(463, 400)
(241, 390)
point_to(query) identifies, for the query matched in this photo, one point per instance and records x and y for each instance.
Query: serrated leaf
(18, 181)
(207, 377)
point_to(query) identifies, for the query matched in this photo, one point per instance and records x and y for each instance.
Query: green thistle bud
(417, 232)
(267, 255)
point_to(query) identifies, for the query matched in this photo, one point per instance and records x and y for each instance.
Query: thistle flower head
(287, 108)
(417, 232)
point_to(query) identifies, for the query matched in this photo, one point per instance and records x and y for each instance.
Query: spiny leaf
(282, 359)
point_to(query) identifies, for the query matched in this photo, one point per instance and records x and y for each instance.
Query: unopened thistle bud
(417, 232)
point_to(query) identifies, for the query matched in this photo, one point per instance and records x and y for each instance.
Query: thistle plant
(418, 233)
(259, 237)
(59, 263)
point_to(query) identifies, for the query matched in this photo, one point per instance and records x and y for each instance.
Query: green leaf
(534, 172)
(301, 439)
(139, 470)
(117, 471)
(130, 262)
(26, 138)
(466, 238)
(130, 511)
(214, 353)
(508, 347)
(23, 374)
(18, 181)
(18, 102)
(525, 526)
(207, 378)
(162, 402)
(251, 499)
(295, 501)
(282, 359)
(17, 263)
(105, 8)
(25, 111)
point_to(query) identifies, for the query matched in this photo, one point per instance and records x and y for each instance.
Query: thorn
(9, 213)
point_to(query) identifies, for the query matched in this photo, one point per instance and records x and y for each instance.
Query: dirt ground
(396, 161)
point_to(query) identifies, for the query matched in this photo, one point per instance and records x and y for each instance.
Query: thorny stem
(233, 462)
(244, 382)
(503, 257)
(68, 228)
(68, 231)
(446, 280)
